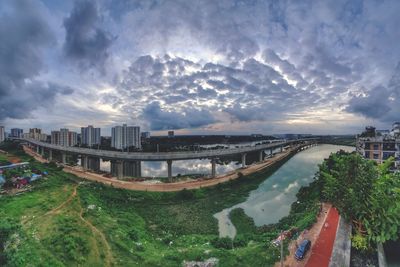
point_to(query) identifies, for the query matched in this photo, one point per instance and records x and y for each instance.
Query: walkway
(321, 251)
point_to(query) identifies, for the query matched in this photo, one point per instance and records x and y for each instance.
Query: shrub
(359, 242)
(222, 242)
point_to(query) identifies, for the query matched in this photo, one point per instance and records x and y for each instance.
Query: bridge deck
(162, 156)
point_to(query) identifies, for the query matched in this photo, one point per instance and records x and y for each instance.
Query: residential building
(90, 136)
(2, 134)
(35, 133)
(146, 135)
(124, 136)
(64, 137)
(171, 134)
(16, 132)
(396, 129)
(374, 145)
(55, 137)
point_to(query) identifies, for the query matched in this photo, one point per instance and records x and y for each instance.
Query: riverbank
(175, 186)
(137, 228)
(130, 228)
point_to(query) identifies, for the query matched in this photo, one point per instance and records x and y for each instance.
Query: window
(376, 146)
(387, 155)
(366, 155)
(376, 155)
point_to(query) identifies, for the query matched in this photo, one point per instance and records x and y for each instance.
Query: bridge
(127, 163)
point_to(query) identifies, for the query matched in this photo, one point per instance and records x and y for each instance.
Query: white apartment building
(90, 136)
(125, 136)
(2, 134)
(64, 137)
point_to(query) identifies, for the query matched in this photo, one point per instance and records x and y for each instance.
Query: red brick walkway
(322, 250)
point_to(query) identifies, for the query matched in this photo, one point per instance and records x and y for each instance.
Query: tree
(365, 194)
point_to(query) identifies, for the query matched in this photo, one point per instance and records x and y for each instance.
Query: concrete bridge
(128, 163)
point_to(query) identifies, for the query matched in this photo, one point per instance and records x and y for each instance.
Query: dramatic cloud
(164, 120)
(24, 35)
(380, 102)
(85, 41)
(204, 66)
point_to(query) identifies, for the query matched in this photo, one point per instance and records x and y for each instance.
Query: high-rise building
(171, 134)
(64, 137)
(35, 133)
(90, 136)
(125, 136)
(55, 137)
(16, 132)
(2, 134)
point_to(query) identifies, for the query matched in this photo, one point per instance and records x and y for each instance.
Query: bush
(133, 235)
(359, 242)
(222, 242)
(186, 194)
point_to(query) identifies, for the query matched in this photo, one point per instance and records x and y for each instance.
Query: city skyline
(205, 68)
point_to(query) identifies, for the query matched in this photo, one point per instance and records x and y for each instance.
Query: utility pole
(281, 248)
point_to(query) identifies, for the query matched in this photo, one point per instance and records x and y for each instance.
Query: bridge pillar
(37, 149)
(50, 155)
(117, 168)
(42, 151)
(84, 162)
(213, 167)
(169, 162)
(261, 156)
(93, 164)
(120, 169)
(244, 160)
(281, 147)
(63, 157)
(133, 168)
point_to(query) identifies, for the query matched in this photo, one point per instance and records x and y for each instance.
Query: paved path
(321, 251)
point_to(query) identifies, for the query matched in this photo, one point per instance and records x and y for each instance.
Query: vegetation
(342, 140)
(366, 194)
(243, 223)
(64, 221)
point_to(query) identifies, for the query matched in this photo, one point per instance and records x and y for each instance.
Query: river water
(271, 201)
(183, 167)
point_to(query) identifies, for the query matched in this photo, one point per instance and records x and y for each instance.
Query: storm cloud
(85, 41)
(237, 66)
(24, 36)
(164, 120)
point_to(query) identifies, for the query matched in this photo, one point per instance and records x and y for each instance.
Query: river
(183, 167)
(271, 201)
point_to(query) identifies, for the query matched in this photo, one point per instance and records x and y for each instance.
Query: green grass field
(65, 221)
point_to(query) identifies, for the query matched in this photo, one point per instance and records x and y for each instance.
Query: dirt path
(108, 256)
(311, 234)
(168, 187)
(71, 197)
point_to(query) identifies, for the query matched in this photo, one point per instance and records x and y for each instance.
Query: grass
(243, 223)
(129, 228)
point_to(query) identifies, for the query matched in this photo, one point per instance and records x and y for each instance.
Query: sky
(201, 67)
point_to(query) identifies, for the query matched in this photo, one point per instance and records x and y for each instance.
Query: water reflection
(182, 167)
(272, 199)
